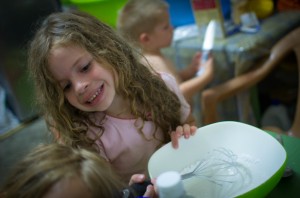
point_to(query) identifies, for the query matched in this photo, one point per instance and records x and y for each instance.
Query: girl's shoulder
(169, 79)
(166, 76)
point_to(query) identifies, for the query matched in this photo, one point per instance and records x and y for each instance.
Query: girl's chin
(100, 108)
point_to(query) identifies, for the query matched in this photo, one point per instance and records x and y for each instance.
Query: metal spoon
(288, 170)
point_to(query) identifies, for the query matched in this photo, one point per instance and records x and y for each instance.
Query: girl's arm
(190, 120)
(187, 119)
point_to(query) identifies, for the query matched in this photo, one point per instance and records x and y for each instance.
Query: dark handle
(140, 188)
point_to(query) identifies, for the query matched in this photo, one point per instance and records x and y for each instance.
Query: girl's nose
(81, 87)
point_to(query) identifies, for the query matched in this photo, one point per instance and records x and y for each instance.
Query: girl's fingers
(174, 139)
(186, 131)
(150, 192)
(137, 178)
(193, 130)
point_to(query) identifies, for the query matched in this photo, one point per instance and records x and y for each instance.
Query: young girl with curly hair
(96, 94)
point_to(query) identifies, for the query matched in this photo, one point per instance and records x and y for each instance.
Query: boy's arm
(190, 87)
(191, 70)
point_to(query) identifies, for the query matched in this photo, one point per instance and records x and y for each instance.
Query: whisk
(221, 168)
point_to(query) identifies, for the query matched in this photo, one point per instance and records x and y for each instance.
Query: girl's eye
(67, 87)
(86, 67)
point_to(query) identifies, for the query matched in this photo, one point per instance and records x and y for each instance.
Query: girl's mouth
(95, 95)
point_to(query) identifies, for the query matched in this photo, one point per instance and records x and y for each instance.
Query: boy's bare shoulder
(161, 63)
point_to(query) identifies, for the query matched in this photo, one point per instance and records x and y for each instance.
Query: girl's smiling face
(88, 85)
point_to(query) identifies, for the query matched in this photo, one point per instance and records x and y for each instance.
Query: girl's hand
(137, 178)
(140, 179)
(150, 192)
(186, 130)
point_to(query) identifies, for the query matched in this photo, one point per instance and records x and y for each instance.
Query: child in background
(60, 171)
(146, 24)
(95, 93)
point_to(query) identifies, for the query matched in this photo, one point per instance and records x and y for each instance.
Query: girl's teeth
(94, 96)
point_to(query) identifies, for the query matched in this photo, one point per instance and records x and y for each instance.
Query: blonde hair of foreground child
(48, 168)
(145, 90)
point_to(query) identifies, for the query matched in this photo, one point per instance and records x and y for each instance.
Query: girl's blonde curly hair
(50, 164)
(145, 89)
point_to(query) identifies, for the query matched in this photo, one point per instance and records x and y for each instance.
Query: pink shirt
(126, 148)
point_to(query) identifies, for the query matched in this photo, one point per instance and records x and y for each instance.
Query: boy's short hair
(139, 16)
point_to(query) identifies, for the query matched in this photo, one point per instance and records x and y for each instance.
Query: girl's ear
(144, 38)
